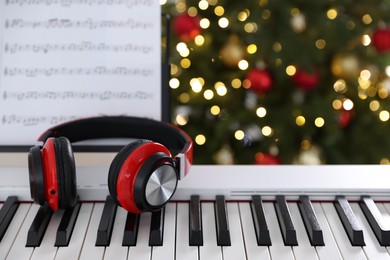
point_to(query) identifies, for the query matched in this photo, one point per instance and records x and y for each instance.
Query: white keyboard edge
(236, 182)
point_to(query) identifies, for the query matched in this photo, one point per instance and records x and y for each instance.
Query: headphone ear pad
(66, 173)
(117, 163)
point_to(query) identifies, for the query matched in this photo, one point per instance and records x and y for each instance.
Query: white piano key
(210, 249)
(167, 250)
(253, 251)
(19, 249)
(278, 250)
(330, 250)
(142, 250)
(115, 250)
(372, 249)
(341, 237)
(73, 250)
(304, 250)
(47, 250)
(13, 229)
(384, 208)
(237, 249)
(89, 250)
(183, 250)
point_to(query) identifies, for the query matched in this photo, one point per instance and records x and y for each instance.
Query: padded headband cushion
(120, 127)
(66, 173)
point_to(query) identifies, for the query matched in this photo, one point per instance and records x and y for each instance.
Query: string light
(236, 83)
(367, 19)
(223, 22)
(243, 15)
(320, 44)
(239, 135)
(374, 105)
(220, 88)
(366, 40)
(347, 104)
(185, 63)
(384, 161)
(199, 40)
(208, 94)
(383, 93)
(261, 112)
(340, 86)
(196, 85)
(203, 5)
(291, 70)
(266, 131)
(300, 120)
(250, 27)
(319, 122)
(174, 83)
(243, 64)
(277, 47)
(332, 14)
(384, 115)
(192, 11)
(200, 139)
(215, 110)
(204, 23)
(251, 49)
(219, 10)
(387, 70)
(184, 98)
(181, 119)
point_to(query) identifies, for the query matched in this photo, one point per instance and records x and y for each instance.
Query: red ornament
(266, 159)
(381, 40)
(345, 118)
(186, 27)
(306, 80)
(260, 81)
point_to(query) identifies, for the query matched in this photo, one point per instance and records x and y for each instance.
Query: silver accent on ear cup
(161, 185)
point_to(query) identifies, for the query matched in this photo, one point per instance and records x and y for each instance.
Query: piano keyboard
(196, 229)
(217, 212)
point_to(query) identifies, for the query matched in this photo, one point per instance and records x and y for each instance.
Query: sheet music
(67, 59)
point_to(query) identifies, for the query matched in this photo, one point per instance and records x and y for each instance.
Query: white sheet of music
(67, 59)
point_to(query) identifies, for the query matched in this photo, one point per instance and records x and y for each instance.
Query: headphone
(142, 176)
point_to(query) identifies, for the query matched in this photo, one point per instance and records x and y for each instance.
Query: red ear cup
(66, 173)
(52, 174)
(142, 177)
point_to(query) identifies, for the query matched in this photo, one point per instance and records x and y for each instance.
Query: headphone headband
(127, 127)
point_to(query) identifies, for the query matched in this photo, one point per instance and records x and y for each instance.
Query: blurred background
(282, 82)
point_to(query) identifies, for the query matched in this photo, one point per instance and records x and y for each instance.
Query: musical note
(67, 59)
(94, 71)
(88, 23)
(69, 3)
(77, 95)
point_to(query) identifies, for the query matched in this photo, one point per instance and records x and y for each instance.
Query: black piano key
(7, 212)
(195, 224)
(156, 235)
(374, 217)
(285, 222)
(259, 221)
(106, 223)
(131, 230)
(310, 220)
(65, 229)
(38, 226)
(350, 223)
(222, 223)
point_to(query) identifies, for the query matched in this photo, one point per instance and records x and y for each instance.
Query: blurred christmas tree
(271, 82)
